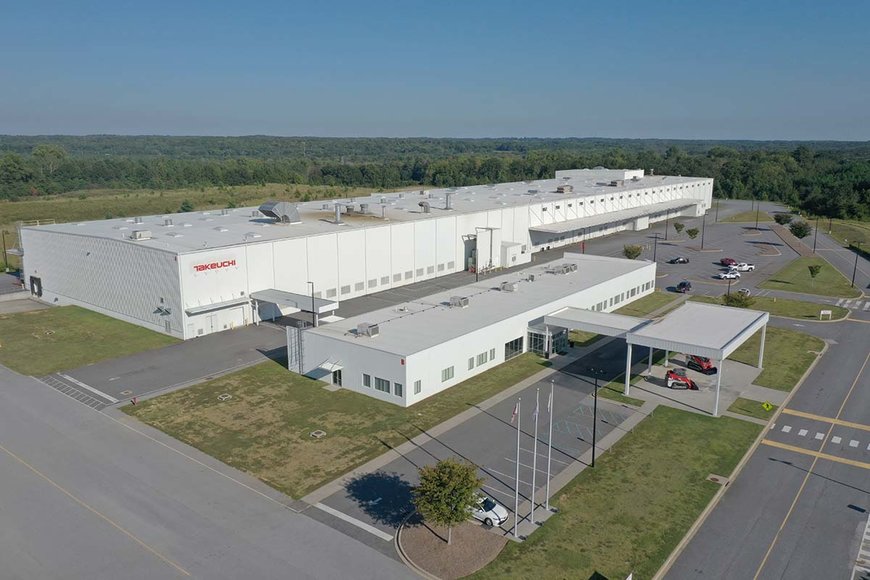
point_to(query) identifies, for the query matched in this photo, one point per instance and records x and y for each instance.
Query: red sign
(214, 265)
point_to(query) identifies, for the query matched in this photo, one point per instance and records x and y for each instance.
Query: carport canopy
(603, 323)
(294, 300)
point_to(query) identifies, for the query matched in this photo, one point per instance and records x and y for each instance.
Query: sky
(702, 69)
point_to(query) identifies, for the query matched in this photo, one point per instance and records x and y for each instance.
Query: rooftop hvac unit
(533, 191)
(565, 189)
(225, 212)
(401, 195)
(569, 267)
(364, 208)
(281, 211)
(531, 277)
(367, 329)
(325, 206)
(167, 222)
(458, 302)
(137, 220)
(509, 286)
(617, 182)
(140, 235)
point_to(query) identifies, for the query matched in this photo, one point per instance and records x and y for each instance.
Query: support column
(761, 347)
(649, 362)
(627, 370)
(667, 356)
(718, 384)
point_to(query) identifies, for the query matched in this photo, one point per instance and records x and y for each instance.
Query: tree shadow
(384, 497)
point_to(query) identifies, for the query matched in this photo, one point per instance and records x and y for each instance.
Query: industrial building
(192, 274)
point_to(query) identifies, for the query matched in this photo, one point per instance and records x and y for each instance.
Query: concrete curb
(397, 541)
(734, 474)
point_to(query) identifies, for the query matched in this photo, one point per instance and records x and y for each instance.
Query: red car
(728, 262)
(701, 364)
(677, 379)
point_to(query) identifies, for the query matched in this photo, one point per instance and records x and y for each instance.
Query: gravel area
(472, 548)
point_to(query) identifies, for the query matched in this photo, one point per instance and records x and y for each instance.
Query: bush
(632, 251)
(782, 218)
(737, 300)
(693, 233)
(800, 229)
(679, 227)
(185, 206)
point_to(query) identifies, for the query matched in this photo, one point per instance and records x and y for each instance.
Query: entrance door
(211, 323)
(336, 378)
(36, 286)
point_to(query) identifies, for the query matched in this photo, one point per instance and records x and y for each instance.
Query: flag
(550, 404)
(535, 414)
(515, 413)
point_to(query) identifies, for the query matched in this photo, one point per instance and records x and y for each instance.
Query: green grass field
(628, 514)
(264, 429)
(787, 355)
(748, 216)
(751, 408)
(46, 341)
(649, 303)
(795, 277)
(847, 231)
(613, 392)
(784, 307)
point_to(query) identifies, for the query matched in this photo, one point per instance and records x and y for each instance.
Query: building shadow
(277, 355)
(385, 497)
(818, 475)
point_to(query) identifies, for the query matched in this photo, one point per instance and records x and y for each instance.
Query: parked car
(744, 267)
(684, 286)
(489, 511)
(677, 379)
(679, 260)
(729, 275)
(701, 364)
(728, 262)
(744, 291)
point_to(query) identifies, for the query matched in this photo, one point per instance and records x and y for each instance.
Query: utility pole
(816, 236)
(703, 228)
(667, 221)
(855, 268)
(757, 208)
(595, 374)
(5, 255)
(729, 286)
(717, 211)
(655, 246)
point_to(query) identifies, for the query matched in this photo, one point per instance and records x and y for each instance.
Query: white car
(730, 275)
(489, 511)
(744, 267)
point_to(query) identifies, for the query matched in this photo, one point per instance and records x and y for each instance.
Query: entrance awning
(605, 323)
(330, 365)
(194, 310)
(612, 217)
(293, 300)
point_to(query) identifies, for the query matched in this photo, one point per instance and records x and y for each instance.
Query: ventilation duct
(367, 329)
(281, 211)
(337, 219)
(509, 287)
(458, 302)
(425, 206)
(447, 197)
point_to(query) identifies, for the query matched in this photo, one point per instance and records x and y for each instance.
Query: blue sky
(767, 69)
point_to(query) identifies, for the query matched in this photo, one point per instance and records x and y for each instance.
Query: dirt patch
(472, 548)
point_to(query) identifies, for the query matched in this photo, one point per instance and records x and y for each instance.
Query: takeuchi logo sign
(213, 265)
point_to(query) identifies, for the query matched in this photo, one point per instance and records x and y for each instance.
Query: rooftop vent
(509, 286)
(225, 212)
(281, 211)
(531, 278)
(255, 213)
(140, 235)
(617, 183)
(337, 209)
(425, 206)
(565, 189)
(325, 206)
(137, 220)
(458, 302)
(364, 208)
(447, 197)
(367, 329)
(167, 222)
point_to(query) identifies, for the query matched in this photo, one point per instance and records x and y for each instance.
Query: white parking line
(511, 476)
(840, 301)
(498, 491)
(772, 425)
(786, 428)
(361, 525)
(540, 469)
(853, 443)
(88, 387)
(836, 440)
(544, 455)
(866, 306)
(803, 432)
(820, 436)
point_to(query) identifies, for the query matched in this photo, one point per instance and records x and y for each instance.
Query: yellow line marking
(809, 473)
(826, 419)
(818, 454)
(94, 511)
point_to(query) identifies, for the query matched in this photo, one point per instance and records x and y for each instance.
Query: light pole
(855, 268)
(816, 236)
(703, 228)
(5, 256)
(313, 307)
(757, 208)
(729, 286)
(667, 220)
(595, 374)
(717, 211)
(655, 246)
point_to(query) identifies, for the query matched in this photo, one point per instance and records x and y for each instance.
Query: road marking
(88, 387)
(853, 443)
(840, 301)
(498, 491)
(772, 425)
(540, 469)
(100, 515)
(866, 306)
(361, 525)
(802, 432)
(839, 422)
(786, 428)
(836, 440)
(511, 476)
(820, 436)
(816, 454)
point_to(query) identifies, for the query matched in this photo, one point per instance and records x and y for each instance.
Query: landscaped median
(795, 277)
(750, 408)
(629, 513)
(785, 307)
(265, 427)
(46, 341)
(748, 216)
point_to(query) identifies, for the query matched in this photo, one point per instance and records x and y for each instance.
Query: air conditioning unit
(531, 277)
(509, 286)
(140, 235)
(458, 302)
(367, 329)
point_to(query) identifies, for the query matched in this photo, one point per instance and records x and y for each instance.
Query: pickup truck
(744, 267)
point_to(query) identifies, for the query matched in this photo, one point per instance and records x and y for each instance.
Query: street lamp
(757, 208)
(5, 256)
(595, 372)
(717, 211)
(703, 228)
(816, 236)
(729, 286)
(313, 307)
(667, 220)
(855, 268)
(655, 246)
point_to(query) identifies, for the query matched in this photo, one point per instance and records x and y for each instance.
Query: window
(543, 209)
(430, 269)
(359, 286)
(330, 293)
(373, 282)
(513, 348)
(385, 279)
(409, 274)
(382, 385)
(492, 354)
(481, 359)
(398, 390)
(470, 363)
(419, 271)
(418, 386)
(345, 289)
(440, 267)
(397, 277)
(367, 381)
(451, 265)
(446, 374)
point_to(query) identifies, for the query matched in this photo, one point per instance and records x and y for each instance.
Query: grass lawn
(787, 354)
(629, 513)
(848, 231)
(751, 408)
(748, 216)
(264, 429)
(795, 277)
(46, 341)
(613, 391)
(649, 303)
(784, 307)
(583, 338)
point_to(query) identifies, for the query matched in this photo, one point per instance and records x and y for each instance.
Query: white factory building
(411, 351)
(191, 274)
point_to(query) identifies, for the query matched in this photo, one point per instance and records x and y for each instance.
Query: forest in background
(822, 178)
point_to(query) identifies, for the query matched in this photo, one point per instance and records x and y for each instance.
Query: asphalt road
(83, 496)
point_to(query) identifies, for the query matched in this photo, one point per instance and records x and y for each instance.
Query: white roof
(195, 231)
(701, 329)
(415, 326)
(614, 216)
(606, 323)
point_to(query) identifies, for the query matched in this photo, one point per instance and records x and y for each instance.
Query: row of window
(383, 385)
(384, 280)
(614, 300)
(482, 358)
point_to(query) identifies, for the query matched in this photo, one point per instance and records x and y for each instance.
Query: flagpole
(535, 452)
(517, 480)
(550, 441)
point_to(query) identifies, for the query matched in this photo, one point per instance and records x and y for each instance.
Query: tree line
(824, 179)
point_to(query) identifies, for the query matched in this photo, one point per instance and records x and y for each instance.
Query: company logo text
(214, 265)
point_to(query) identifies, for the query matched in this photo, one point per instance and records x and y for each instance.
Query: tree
(678, 227)
(49, 156)
(185, 206)
(782, 218)
(693, 232)
(738, 300)
(814, 271)
(632, 251)
(800, 229)
(447, 492)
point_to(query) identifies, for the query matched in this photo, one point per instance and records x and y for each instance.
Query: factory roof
(195, 231)
(420, 324)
